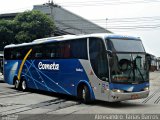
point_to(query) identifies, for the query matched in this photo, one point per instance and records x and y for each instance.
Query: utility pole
(106, 23)
(50, 3)
(53, 5)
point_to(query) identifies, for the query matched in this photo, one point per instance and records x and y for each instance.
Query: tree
(32, 25)
(6, 33)
(25, 27)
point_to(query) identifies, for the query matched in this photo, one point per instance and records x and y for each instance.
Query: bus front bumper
(115, 96)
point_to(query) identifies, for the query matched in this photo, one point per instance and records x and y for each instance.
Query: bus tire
(84, 94)
(17, 84)
(24, 85)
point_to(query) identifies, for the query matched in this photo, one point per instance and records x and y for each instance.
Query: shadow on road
(53, 94)
(2, 81)
(123, 104)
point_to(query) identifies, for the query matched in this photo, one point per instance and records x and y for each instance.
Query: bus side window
(18, 55)
(98, 58)
(79, 48)
(50, 51)
(65, 50)
(13, 54)
(68, 50)
(7, 54)
(38, 52)
(38, 55)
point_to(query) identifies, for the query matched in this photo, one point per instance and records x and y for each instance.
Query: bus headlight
(118, 91)
(146, 89)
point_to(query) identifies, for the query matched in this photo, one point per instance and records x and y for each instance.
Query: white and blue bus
(105, 67)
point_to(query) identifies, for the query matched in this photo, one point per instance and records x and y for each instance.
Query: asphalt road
(38, 105)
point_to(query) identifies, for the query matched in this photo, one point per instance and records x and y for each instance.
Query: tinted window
(37, 52)
(16, 53)
(7, 54)
(67, 49)
(57, 50)
(12, 54)
(98, 58)
(125, 45)
(51, 51)
(79, 48)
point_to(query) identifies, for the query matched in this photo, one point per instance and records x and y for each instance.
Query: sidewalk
(154, 75)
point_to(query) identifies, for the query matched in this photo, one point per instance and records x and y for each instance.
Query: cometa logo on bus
(53, 66)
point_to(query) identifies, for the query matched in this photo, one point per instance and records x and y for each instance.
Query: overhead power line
(136, 23)
(105, 3)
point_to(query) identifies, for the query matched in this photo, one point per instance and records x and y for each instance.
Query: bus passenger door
(99, 76)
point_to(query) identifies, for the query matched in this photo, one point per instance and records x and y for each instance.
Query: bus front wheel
(84, 94)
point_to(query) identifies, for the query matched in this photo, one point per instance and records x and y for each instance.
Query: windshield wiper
(134, 67)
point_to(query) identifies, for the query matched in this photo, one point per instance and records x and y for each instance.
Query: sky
(140, 18)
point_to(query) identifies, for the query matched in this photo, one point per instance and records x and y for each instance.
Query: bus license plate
(134, 96)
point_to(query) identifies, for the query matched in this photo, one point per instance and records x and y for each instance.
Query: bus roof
(69, 37)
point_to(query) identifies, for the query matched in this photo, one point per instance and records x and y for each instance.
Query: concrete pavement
(39, 105)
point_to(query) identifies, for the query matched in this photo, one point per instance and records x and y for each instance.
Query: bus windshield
(118, 45)
(128, 63)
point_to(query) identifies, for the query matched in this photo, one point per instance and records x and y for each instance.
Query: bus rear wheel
(17, 84)
(24, 85)
(84, 94)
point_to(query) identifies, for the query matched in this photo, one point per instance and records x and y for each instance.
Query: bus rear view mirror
(110, 53)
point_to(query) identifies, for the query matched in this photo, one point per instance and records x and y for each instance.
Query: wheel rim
(16, 84)
(23, 85)
(83, 94)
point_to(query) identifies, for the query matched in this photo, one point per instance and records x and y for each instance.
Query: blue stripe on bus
(50, 89)
(28, 71)
(65, 80)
